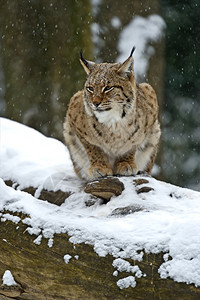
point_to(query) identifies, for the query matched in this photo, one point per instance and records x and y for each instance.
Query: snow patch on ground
(168, 220)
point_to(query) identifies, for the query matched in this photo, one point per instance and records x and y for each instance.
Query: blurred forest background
(40, 70)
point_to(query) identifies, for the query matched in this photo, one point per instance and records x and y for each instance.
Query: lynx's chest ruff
(111, 119)
(114, 134)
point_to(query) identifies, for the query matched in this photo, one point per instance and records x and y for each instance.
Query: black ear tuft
(81, 54)
(133, 49)
(83, 59)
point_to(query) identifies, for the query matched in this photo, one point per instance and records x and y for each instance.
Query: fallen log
(41, 272)
(44, 272)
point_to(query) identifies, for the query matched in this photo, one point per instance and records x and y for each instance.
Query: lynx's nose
(96, 101)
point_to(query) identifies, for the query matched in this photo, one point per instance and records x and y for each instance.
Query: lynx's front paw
(99, 170)
(124, 168)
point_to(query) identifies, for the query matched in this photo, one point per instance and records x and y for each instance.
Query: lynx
(112, 126)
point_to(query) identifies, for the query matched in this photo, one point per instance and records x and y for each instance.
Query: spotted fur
(112, 126)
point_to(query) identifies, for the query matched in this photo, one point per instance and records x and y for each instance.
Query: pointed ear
(87, 65)
(126, 68)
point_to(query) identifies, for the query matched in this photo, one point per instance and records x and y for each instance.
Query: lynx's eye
(107, 89)
(90, 89)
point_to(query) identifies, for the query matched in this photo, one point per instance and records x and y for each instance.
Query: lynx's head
(109, 91)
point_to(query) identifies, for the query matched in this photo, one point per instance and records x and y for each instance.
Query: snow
(124, 266)
(140, 32)
(124, 283)
(67, 258)
(38, 240)
(95, 5)
(8, 278)
(115, 22)
(168, 218)
(34, 163)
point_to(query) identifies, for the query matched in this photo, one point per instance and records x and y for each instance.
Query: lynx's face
(109, 90)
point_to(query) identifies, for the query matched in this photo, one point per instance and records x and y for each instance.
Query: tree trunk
(40, 47)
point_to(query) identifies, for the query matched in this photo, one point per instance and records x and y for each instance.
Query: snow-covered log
(114, 238)
(41, 272)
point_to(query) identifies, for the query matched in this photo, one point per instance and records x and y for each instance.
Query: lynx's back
(112, 127)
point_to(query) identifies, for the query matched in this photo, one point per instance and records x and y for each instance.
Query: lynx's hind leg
(79, 157)
(146, 153)
(76, 150)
